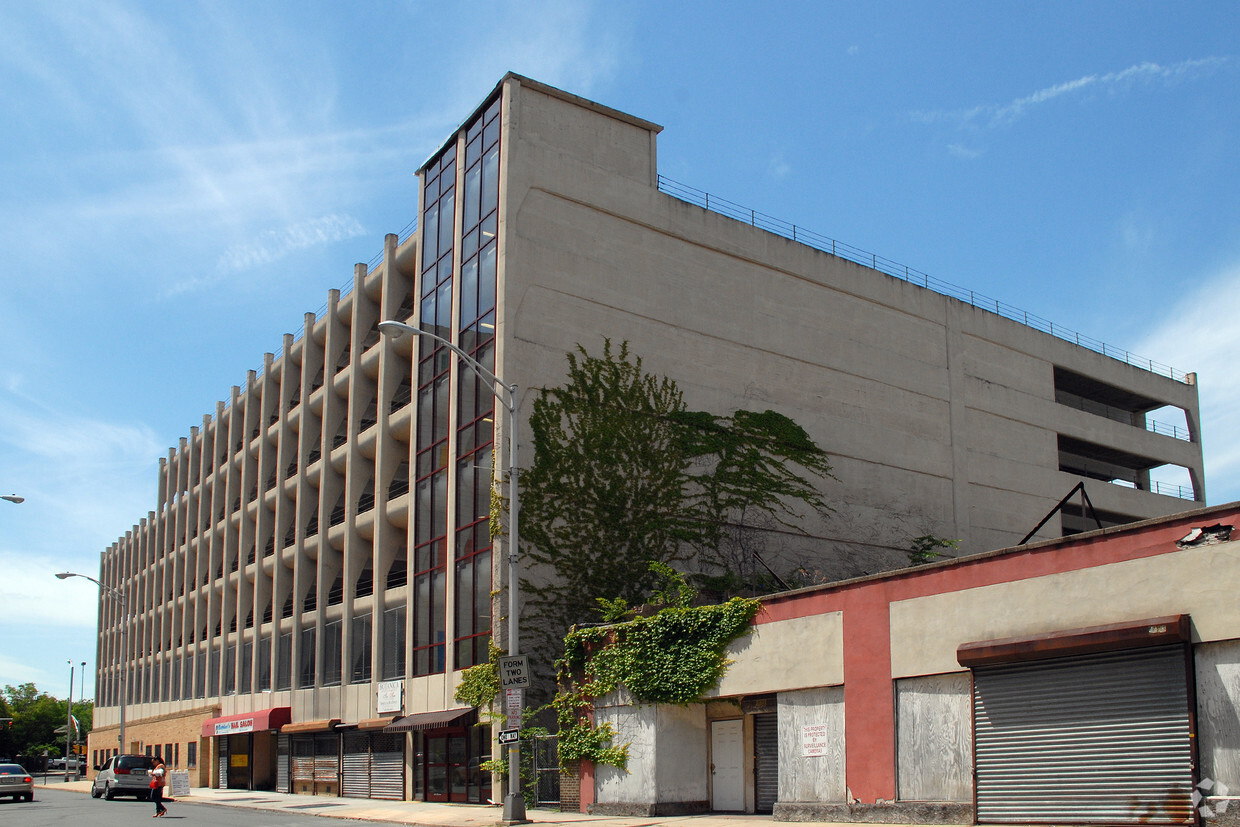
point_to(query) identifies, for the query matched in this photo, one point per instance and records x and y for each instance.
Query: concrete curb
(431, 814)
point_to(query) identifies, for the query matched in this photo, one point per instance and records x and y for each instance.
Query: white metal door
(727, 755)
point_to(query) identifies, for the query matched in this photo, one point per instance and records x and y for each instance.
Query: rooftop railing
(901, 271)
(347, 287)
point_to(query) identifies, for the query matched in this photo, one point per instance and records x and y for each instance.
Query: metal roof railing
(838, 248)
(347, 288)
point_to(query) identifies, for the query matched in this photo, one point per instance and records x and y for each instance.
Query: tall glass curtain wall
(216, 655)
(475, 405)
(475, 434)
(434, 389)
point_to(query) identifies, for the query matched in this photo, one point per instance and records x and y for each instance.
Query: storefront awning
(311, 726)
(273, 718)
(369, 723)
(1154, 631)
(428, 720)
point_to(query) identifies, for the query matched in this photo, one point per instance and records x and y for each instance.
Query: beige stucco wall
(1201, 582)
(786, 654)
(939, 417)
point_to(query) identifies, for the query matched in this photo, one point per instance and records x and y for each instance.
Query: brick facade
(176, 737)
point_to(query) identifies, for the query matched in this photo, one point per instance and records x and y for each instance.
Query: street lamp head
(395, 330)
(65, 574)
(13, 498)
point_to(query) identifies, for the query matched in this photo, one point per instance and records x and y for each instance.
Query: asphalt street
(58, 808)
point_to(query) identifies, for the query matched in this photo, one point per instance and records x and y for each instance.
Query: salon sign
(235, 727)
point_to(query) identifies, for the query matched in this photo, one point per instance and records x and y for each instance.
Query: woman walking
(159, 777)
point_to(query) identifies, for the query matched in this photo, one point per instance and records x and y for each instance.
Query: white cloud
(14, 671)
(84, 479)
(962, 151)
(1196, 337)
(1003, 114)
(778, 168)
(31, 594)
(275, 244)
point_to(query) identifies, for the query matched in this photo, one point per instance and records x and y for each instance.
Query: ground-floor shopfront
(434, 756)
(1094, 679)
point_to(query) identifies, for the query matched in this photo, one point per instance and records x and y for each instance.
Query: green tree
(624, 475)
(925, 549)
(36, 717)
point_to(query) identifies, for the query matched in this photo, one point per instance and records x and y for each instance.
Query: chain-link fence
(546, 766)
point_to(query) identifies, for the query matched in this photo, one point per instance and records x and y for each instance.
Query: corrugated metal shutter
(355, 765)
(1097, 738)
(766, 761)
(282, 762)
(387, 766)
(223, 763)
(326, 762)
(302, 765)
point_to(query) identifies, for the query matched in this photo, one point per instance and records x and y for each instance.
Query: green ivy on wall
(673, 657)
(479, 685)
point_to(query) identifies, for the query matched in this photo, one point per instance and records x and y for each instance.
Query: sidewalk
(426, 814)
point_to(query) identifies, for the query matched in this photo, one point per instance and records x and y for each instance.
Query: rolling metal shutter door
(326, 763)
(387, 766)
(1100, 738)
(302, 764)
(223, 762)
(766, 762)
(282, 768)
(355, 766)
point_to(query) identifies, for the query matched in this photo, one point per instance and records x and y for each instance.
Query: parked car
(123, 775)
(72, 762)
(15, 781)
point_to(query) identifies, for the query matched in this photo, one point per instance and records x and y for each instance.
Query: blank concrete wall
(1218, 711)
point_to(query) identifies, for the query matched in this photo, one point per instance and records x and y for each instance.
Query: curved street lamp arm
(116, 594)
(394, 328)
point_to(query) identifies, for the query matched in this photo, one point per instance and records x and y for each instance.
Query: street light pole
(514, 803)
(69, 725)
(119, 597)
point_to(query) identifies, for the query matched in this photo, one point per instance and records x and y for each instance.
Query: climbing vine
(673, 657)
(479, 685)
(625, 474)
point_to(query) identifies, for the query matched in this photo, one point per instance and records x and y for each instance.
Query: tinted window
(130, 762)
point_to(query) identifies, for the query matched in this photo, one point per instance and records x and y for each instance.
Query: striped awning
(430, 720)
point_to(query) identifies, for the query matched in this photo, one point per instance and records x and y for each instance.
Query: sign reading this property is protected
(815, 739)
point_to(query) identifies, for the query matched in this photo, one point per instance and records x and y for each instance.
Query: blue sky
(180, 182)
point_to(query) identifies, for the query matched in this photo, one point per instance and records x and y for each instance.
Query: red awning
(273, 718)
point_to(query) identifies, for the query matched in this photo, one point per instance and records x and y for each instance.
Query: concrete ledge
(643, 809)
(1230, 815)
(900, 812)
